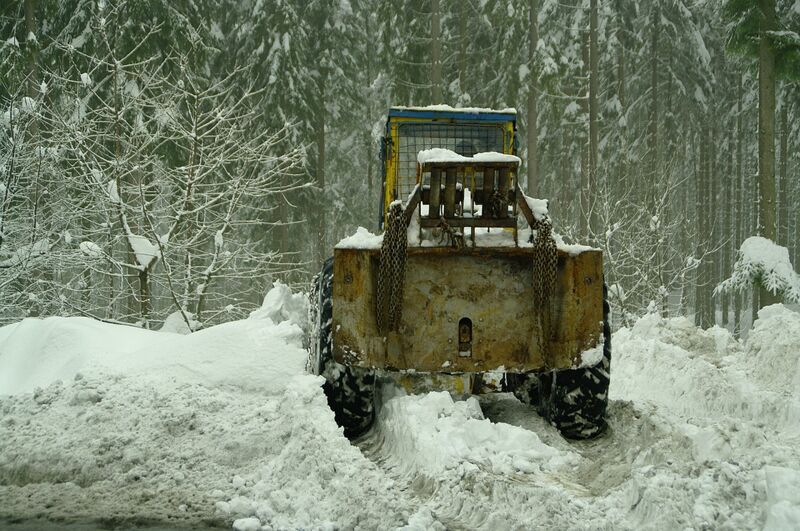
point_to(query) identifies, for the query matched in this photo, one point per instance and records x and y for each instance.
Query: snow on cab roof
(445, 155)
(446, 111)
(448, 108)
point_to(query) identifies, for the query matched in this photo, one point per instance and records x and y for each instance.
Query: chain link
(453, 237)
(391, 273)
(545, 268)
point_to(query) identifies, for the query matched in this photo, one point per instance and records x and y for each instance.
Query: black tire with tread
(572, 400)
(350, 390)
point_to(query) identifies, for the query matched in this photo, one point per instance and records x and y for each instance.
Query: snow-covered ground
(107, 423)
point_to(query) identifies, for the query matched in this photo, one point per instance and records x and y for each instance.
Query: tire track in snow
(470, 478)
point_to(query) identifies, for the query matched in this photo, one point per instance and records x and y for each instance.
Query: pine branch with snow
(765, 263)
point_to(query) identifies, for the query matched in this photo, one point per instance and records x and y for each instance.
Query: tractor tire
(350, 390)
(572, 400)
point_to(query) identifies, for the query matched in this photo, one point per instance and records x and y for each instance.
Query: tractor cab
(466, 132)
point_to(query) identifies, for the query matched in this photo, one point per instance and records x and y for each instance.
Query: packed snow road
(117, 426)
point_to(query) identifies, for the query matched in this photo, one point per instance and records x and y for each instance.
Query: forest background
(169, 160)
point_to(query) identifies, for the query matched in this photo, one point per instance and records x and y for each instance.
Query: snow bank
(120, 449)
(256, 354)
(735, 405)
(708, 373)
(37, 352)
(250, 354)
(219, 426)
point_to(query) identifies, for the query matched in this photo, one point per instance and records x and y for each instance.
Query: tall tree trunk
(755, 291)
(565, 176)
(706, 310)
(739, 211)
(727, 228)
(32, 49)
(368, 144)
(436, 53)
(321, 228)
(583, 92)
(463, 38)
(144, 297)
(652, 147)
(700, 219)
(621, 75)
(621, 186)
(796, 233)
(766, 133)
(783, 225)
(533, 110)
(593, 112)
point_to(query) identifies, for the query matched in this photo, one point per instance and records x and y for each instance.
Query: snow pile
(144, 250)
(493, 156)
(249, 354)
(764, 262)
(120, 449)
(783, 498)
(91, 249)
(26, 252)
(180, 323)
(440, 155)
(772, 360)
(362, 239)
(539, 207)
(736, 406)
(431, 433)
(255, 353)
(708, 374)
(280, 305)
(313, 476)
(120, 424)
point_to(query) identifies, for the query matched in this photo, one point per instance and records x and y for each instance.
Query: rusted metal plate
(490, 288)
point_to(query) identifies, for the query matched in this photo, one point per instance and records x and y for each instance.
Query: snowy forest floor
(117, 426)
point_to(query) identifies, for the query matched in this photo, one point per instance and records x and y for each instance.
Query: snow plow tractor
(467, 289)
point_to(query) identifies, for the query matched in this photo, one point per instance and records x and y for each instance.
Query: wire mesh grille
(465, 141)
